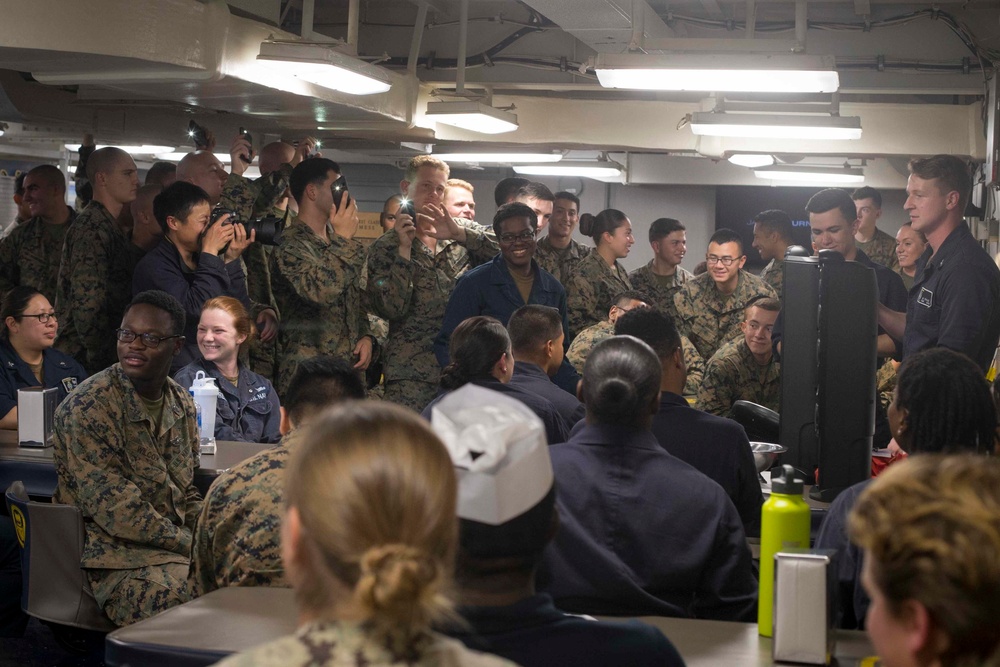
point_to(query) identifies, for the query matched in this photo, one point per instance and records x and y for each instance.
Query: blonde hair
(376, 492)
(419, 161)
(459, 183)
(931, 527)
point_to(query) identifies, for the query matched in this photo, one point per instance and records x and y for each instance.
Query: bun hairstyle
(607, 220)
(375, 490)
(241, 320)
(15, 302)
(476, 345)
(621, 380)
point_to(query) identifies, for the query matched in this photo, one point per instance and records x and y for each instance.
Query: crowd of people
(626, 382)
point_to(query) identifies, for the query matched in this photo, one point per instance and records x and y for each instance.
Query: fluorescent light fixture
(711, 73)
(499, 158)
(776, 126)
(472, 116)
(752, 160)
(145, 149)
(177, 156)
(580, 168)
(807, 174)
(324, 67)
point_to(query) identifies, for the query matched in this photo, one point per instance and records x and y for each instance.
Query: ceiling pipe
(463, 42)
(801, 25)
(638, 25)
(418, 36)
(353, 23)
(751, 29)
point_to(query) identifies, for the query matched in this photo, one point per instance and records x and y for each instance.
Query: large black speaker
(828, 364)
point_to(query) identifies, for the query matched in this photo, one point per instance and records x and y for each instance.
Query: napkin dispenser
(805, 605)
(36, 408)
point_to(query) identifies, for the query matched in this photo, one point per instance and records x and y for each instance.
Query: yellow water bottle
(785, 521)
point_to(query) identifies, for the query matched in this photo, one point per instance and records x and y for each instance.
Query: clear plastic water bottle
(205, 395)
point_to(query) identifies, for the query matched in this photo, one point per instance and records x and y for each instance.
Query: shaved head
(274, 155)
(203, 169)
(104, 161)
(48, 174)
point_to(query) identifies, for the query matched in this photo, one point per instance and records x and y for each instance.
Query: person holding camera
(197, 259)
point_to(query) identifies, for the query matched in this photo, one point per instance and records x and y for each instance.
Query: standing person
(772, 234)
(412, 270)
(711, 307)
(459, 200)
(316, 273)
(557, 252)
(95, 273)
(387, 218)
(599, 278)
(124, 448)
(23, 212)
(28, 327)
(664, 276)
(247, 409)
(370, 578)
(955, 298)
(910, 245)
(879, 246)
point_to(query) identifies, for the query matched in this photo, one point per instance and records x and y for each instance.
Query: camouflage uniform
(710, 319)
(881, 250)
(645, 281)
(592, 290)
(591, 336)
(885, 383)
(560, 263)
(412, 295)
(774, 275)
(317, 287)
(237, 540)
(732, 374)
(95, 285)
(344, 644)
(30, 255)
(135, 488)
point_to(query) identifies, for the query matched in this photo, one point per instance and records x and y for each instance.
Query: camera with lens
(269, 228)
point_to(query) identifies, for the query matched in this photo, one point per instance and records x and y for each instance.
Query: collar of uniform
(334, 237)
(134, 408)
(500, 274)
(531, 369)
(611, 435)
(669, 398)
(951, 245)
(100, 209)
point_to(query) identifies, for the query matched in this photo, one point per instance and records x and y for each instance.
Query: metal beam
(862, 7)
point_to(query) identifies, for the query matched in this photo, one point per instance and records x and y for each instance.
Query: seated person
(641, 532)
(237, 537)
(717, 447)
(499, 552)
(124, 449)
(27, 358)
(248, 407)
(370, 577)
(745, 368)
(930, 531)
(479, 349)
(536, 341)
(941, 403)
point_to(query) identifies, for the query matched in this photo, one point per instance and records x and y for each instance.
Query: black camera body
(269, 228)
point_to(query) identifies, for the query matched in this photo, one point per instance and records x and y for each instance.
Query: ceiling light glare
(324, 67)
(807, 174)
(144, 149)
(499, 158)
(472, 116)
(567, 168)
(752, 160)
(776, 126)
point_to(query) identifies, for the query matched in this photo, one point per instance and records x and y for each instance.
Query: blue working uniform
(531, 378)
(59, 370)
(248, 412)
(490, 290)
(641, 533)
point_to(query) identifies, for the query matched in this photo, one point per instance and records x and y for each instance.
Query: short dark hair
(952, 172)
(176, 201)
(607, 220)
(662, 227)
(833, 198)
(653, 327)
(310, 172)
(513, 210)
(726, 235)
(507, 188)
(52, 175)
(621, 378)
(535, 190)
(777, 221)
(476, 344)
(13, 304)
(318, 383)
(19, 183)
(531, 326)
(569, 196)
(631, 295)
(764, 303)
(104, 160)
(165, 302)
(159, 171)
(868, 192)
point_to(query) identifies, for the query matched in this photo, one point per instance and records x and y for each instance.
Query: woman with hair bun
(599, 279)
(368, 541)
(247, 409)
(641, 533)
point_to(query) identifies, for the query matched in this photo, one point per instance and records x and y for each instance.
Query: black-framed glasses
(514, 238)
(725, 261)
(149, 340)
(42, 317)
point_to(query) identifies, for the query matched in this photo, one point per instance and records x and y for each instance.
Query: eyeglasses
(726, 261)
(149, 340)
(513, 238)
(42, 317)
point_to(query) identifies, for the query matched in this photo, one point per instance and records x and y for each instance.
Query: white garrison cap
(500, 453)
